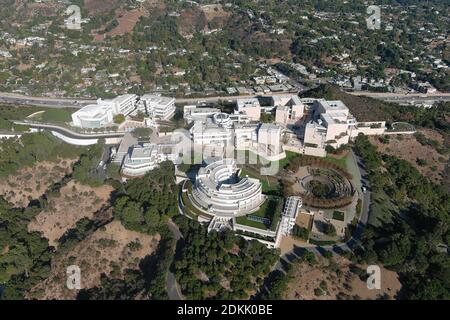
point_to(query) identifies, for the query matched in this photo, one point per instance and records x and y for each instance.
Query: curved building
(218, 190)
(223, 119)
(93, 116)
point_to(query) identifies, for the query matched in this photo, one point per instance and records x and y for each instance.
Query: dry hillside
(31, 183)
(75, 202)
(109, 250)
(335, 280)
(407, 147)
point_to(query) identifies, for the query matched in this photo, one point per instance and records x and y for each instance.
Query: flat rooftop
(333, 105)
(245, 103)
(157, 99)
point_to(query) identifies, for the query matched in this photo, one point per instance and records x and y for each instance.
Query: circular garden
(321, 183)
(326, 188)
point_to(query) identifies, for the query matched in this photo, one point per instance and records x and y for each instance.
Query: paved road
(172, 286)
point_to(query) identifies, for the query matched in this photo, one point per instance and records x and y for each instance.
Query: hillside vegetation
(408, 244)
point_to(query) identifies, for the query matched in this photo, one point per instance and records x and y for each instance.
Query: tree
(329, 229)
(142, 133)
(219, 257)
(300, 232)
(86, 170)
(119, 118)
(27, 257)
(148, 201)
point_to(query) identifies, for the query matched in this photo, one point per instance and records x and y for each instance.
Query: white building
(289, 109)
(217, 131)
(210, 133)
(93, 116)
(219, 191)
(289, 215)
(102, 114)
(5, 54)
(146, 157)
(193, 113)
(246, 136)
(249, 107)
(157, 106)
(213, 128)
(124, 104)
(269, 139)
(332, 124)
(263, 139)
(119, 154)
(136, 159)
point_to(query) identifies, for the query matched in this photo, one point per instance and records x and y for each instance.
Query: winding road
(172, 286)
(69, 133)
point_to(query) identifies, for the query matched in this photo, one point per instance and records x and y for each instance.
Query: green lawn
(262, 212)
(52, 115)
(289, 157)
(6, 125)
(267, 186)
(283, 163)
(340, 162)
(255, 224)
(17, 113)
(270, 209)
(56, 115)
(338, 215)
(190, 210)
(321, 242)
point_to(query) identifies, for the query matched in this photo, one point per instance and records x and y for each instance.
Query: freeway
(399, 95)
(228, 98)
(18, 99)
(408, 98)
